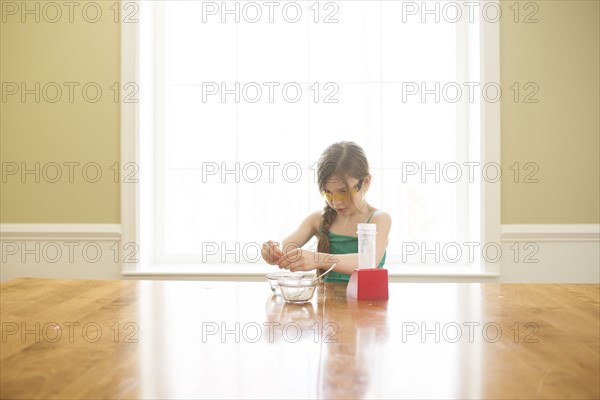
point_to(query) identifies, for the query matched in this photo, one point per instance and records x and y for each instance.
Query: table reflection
(354, 332)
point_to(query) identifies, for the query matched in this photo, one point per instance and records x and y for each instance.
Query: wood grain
(167, 339)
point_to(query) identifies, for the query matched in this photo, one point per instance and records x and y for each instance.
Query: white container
(366, 245)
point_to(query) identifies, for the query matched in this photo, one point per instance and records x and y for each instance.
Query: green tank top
(343, 244)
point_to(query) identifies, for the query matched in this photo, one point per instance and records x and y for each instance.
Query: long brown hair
(343, 160)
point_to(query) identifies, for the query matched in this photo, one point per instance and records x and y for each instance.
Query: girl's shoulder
(315, 219)
(380, 216)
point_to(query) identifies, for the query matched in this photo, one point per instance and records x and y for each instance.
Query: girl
(344, 179)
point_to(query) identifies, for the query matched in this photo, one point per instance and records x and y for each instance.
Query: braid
(323, 243)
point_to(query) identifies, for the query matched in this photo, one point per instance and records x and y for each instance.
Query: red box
(368, 284)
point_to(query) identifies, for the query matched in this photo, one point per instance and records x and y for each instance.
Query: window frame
(131, 125)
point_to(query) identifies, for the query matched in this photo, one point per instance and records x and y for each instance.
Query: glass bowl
(297, 291)
(273, 277)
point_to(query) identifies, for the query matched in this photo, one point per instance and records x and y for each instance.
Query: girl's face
(344, 196)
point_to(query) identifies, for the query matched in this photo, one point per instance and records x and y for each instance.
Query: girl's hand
(271, 252)
(299, 260)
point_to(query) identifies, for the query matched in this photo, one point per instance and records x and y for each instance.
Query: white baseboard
(566, 253)
(551, 232)
(60, 231)
(531, 254)
(67, 251)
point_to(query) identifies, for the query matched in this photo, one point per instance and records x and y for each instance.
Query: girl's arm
(302, 234)
(306, 260)
(272, 253)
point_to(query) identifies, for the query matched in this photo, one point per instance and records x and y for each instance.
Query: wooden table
(193, 339)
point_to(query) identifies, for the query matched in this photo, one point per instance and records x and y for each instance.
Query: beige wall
(559, 134)
(61, 132)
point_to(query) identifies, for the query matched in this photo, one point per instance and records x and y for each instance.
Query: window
(238, 100)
